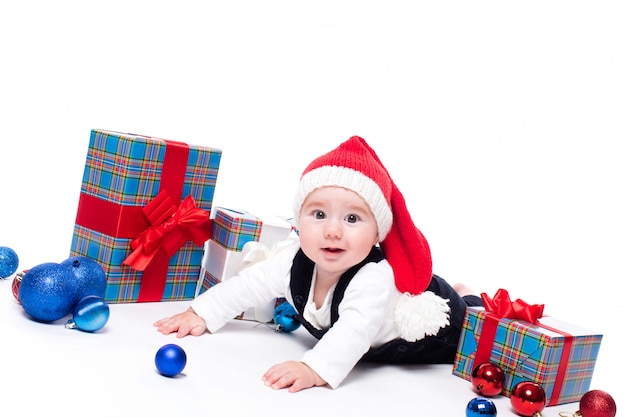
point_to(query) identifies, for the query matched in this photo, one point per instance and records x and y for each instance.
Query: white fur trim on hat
(418, 316)
(352, 180)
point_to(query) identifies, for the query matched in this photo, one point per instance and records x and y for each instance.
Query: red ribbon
(154, 220)
(563, 362)
(169, 232)
(501, 306)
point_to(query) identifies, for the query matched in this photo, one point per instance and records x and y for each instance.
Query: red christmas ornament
(487, 379)
(597, 403)
(15, 285)
(528, 399)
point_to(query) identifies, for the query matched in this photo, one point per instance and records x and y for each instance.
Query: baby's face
(337, 228)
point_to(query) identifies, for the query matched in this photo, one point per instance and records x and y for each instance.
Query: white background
(501, 122)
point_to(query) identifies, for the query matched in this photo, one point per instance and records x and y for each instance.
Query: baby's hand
(187, 322)
(295, 375)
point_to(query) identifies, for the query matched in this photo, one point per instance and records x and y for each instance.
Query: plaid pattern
(527, 352)
(232, 230)
(125, 169)
(208, 280)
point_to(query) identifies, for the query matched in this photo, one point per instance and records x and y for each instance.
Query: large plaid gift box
(240, 239)
(144, 214)
(528, 347)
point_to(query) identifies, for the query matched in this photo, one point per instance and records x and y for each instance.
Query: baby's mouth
(333, 250)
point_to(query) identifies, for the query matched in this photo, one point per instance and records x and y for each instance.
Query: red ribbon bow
(171, 229)
(502, 306)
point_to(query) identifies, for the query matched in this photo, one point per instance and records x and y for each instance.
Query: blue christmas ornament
(170, 360)
(9, 262)
(47, 292)
(481, 407)
(90, 276)
(285, 318)
(90, 314)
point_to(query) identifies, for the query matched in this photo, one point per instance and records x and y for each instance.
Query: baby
(359, 276)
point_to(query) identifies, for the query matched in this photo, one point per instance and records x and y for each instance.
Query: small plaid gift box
(144, 214)
(241, 239)
(528, 347)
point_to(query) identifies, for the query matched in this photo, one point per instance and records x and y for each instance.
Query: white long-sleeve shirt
(365, 313)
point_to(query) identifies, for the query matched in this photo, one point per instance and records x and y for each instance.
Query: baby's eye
(318, 214)
(352, 218)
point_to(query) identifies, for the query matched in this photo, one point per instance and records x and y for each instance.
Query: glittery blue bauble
(48, 291)
(8, 262)
(90, 314)
(170, 360)
(481, 407)
(90, 277)
(285, 318)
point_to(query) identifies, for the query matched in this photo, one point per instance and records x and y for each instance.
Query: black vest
(302, 277)
(432, 349)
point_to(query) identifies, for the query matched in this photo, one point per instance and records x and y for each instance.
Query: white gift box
(241, 239)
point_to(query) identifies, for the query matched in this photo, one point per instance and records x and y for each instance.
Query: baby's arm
(187, 322)
(293, 374)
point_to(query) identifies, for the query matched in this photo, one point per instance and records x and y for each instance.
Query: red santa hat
(355, 166)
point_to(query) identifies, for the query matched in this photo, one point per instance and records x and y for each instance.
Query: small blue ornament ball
(285, 318)
(481, 407)
(9, 262)
(47, 292)
(90, 276)
(90, 314)
(170, 360)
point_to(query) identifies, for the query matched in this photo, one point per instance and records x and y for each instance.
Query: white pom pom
(418, 316)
